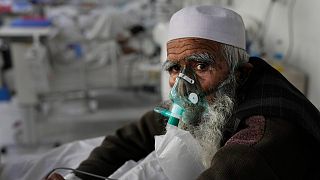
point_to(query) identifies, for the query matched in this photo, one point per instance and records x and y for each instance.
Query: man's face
(210, 72)
(206, 60)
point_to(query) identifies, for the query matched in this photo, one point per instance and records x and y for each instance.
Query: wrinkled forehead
(180, 49)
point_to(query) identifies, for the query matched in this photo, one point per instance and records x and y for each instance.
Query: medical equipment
(187, 97)
(77, 171)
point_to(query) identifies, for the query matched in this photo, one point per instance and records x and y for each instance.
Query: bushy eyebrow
(201, 57)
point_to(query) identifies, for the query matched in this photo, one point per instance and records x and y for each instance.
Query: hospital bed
(35, 167)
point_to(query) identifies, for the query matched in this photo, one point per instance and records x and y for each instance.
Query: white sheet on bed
(36, 167)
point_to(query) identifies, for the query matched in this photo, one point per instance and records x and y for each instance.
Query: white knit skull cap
(208, 22)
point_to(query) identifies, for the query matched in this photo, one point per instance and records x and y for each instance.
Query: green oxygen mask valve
(176, 114)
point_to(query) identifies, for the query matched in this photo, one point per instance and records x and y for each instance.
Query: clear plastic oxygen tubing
(77, 171)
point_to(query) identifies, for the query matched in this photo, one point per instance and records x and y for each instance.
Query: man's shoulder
(273, 143)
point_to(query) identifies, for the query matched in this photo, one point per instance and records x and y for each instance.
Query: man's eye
(174, 69)
(201, 67)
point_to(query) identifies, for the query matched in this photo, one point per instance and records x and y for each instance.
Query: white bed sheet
(36, 167)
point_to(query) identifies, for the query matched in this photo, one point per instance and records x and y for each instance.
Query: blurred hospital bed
(35, 167)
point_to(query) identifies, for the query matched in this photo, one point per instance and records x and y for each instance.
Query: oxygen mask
(188, 99)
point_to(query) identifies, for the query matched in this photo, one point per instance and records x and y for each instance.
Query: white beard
(209, 131)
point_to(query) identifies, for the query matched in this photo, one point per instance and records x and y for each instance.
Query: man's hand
(55, 176)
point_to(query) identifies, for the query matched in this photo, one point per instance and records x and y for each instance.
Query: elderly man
(252, 124)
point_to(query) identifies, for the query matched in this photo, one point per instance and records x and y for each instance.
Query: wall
(306, 27)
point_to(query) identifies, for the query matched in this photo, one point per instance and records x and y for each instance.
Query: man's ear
(243, 71)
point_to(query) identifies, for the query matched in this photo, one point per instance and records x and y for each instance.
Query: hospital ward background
(73, 71)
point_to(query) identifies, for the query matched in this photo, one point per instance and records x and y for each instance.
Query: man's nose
(172, 79)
